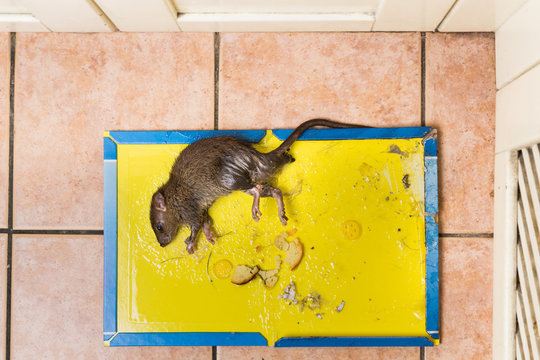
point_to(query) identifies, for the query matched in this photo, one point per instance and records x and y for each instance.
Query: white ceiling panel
(141, 15)
(12, 7)
(274, 22)
(69, 15)
(20, 23)
(412, 15)
(479, 15)
(517, 43)
(518, 111)
(276, 6)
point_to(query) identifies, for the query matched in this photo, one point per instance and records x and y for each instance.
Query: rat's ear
(158, 202)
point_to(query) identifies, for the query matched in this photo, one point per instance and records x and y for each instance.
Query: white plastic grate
(528, 254)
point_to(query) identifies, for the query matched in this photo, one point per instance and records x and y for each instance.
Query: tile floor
(69, 88)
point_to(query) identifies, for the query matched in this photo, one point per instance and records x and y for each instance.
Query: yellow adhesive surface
(360, 224)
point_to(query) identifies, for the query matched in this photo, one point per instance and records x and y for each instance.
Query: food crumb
(406, 182)
(341, 306)
(289, 293)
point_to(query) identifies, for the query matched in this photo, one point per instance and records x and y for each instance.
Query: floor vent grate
(528, 254)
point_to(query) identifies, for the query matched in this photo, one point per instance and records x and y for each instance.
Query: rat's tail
(308, 124)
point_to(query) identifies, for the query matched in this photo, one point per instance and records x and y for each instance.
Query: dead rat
(213, 167)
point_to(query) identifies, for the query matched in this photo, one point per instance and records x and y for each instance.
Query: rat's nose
(162, 245)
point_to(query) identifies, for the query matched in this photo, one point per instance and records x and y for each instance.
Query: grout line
(4, 231)
(10, 193)
(467, 235)
(422, 353)
(423, 79)
(216, 79)
(214, 352)
(56, 232)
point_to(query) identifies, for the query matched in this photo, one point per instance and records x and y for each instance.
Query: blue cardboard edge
(430, 147)
(352, 341)
(432, 238)
(109, 149)
(254, 136)
(213, 339)
(110, 248)
(182, 137)
(188, 339)
(256, 339)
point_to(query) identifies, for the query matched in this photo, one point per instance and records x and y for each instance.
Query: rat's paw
(283, 219)
(256, 214)
(190, 247)
(208, 231)
(210, 236)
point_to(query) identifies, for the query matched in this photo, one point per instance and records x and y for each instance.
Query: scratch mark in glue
(394, 173)
(386, 174)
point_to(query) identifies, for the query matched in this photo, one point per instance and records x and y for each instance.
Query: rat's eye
(159, 227)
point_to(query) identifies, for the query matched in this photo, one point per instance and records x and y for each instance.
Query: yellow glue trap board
(362, 206)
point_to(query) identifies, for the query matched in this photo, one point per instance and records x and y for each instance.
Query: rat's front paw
(190, 247)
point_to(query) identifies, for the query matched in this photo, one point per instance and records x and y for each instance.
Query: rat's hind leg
(207, 223)
(255, 191)
(267, 191)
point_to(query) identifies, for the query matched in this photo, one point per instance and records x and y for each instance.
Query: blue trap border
(432, 234)
(110, 248)
(110, 334)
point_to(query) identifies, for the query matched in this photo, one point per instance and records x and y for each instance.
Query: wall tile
(5, 68)
(460, 103)
(57, 310)
(279, 80)
(466, 299)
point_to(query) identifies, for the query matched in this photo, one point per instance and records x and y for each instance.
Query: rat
(214, 167)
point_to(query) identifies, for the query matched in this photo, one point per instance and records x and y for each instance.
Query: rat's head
(165, 221)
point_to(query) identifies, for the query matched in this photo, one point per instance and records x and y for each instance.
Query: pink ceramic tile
(57, 302)
(460, 103)
(5, 68)
(278, 80)
(72, 87)
(466, 299)
(3, 291)
(257, 353)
